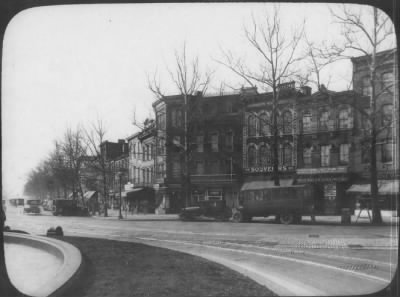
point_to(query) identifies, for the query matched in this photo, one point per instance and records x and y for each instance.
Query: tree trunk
(275, 142)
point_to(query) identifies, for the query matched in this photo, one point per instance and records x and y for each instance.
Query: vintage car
(215, 209)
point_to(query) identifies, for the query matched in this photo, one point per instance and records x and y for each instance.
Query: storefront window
(344, 153)
(325, 155)
(365, 153)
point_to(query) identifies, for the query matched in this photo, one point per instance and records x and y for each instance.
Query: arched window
(251, 156)
(307, 116)
(265, 155)
(345, 119)
(287, 155)
(265, 124)
(287, 122)
(252, 125)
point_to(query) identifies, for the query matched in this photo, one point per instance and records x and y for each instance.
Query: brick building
(213, 149)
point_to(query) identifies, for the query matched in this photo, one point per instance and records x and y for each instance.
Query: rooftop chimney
(248, 91)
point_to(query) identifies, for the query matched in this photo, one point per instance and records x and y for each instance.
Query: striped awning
(385, 187)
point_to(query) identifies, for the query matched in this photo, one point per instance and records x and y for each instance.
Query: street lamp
(120, 174)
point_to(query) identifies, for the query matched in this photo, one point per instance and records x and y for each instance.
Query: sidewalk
(389, 217)
(114, 214)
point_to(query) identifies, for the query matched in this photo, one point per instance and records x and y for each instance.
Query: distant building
(139, 190)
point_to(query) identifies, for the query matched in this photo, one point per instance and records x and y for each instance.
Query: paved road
(309, 259)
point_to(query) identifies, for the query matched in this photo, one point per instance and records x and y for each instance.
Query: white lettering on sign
(269, 169)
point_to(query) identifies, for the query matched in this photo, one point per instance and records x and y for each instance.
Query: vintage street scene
(200, 149)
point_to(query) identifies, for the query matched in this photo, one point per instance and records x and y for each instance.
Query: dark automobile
(68, 207)
(32, 206)
(215, 209)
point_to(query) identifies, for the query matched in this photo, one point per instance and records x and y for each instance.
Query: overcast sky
(68, 65)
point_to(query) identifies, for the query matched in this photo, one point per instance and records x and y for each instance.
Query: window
(176, 140)
(307, 153)
(176, 168)
(176, 118)
(252, 125)
(229, 141)
(366, 88)
(344, 151)
(200, 143)
(144, 152)
(307, 121)
(287, 155)
(228, 106)
(387, 110)
(161, 120)
(325, 155)
(324, 120)
(287, 122)
(387, 82)
(199, 167)
(214, 142)
(387, 152)
(161, 146)
(251, 156)
(265, 124)
(345, 119)
(265, 156)
(365, 153)
(147, 152)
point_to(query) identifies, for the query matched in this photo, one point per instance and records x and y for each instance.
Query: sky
(69, 65)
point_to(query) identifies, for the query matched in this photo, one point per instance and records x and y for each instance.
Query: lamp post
(120, 174)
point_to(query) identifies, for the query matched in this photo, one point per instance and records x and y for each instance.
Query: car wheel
(286, 218)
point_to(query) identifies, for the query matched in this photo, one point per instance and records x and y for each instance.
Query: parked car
(68, 207)
(32, 205)
(215, 209)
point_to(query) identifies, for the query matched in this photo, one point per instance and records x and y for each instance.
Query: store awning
(265, 184)
(384, 188)
(125, 193)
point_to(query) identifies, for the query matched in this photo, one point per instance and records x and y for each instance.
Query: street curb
(69, 255)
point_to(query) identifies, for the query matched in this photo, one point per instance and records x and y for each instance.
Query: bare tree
(278, 55)
(187, 79)
(74, 148)
(94, 138)
(366, 32)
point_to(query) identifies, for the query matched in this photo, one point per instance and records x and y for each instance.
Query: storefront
(329, 188)
(388, 194)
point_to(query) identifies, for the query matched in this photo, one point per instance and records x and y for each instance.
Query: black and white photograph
(199, 149)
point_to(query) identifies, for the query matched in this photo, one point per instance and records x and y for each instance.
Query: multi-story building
(115, 154)
(139, 187)
(206, 165)
(386, 123)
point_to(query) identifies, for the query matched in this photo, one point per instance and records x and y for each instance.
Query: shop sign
(269, 169)
(214, 193)
(322, 170)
